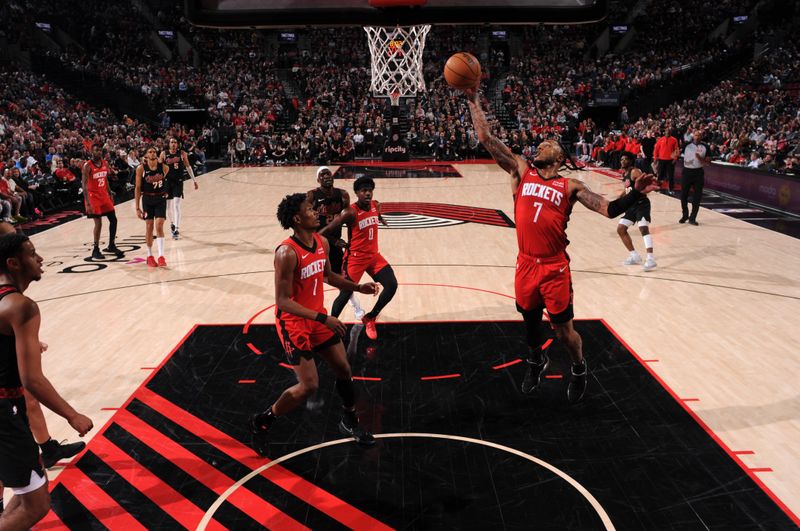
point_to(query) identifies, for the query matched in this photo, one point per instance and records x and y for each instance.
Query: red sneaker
(162, 262)
(369, 325)
(151, 262)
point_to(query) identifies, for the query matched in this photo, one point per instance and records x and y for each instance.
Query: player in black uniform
(328, 202)
(640, 212)
(151, 188)
(21, 365)
(177, 162)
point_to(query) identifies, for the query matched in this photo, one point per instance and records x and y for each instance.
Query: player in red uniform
(97, 196)
(362, 256)
(304, 328)
(543, 201)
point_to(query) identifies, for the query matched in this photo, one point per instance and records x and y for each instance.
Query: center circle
(576, 491)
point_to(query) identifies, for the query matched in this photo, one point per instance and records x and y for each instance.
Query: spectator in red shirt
(665, 154)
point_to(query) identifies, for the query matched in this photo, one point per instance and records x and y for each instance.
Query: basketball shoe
(54, 451)
(151, 261)
(369, 325)
(260, 438)
(113, 250)
(349, 426)
(96, 254)
(577, 384)
(162, 262)
(533, 374)
(633, 259)
(649, 264)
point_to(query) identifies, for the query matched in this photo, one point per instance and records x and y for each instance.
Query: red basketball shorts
(543, 282)
(356, 264)
(301, 338)
(98, 205)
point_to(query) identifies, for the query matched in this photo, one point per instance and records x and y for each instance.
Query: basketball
(462, 71)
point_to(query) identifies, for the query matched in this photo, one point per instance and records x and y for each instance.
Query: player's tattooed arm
(345, 216)
(587, 198)
(496, 148)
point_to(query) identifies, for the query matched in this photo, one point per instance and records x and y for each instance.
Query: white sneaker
(633, 259)
(649, 264)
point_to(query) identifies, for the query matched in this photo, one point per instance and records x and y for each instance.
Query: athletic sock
(650, 256)
(150, 251)
(160, 244)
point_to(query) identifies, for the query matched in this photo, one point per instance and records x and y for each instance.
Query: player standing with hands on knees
(21, 367)
(543, 201)
(304, 327)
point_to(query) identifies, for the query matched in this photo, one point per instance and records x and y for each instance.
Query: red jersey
(96, 185)
(307, 289)
(363, 231)
(541, 212)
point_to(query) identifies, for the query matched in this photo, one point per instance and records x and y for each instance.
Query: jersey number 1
(371, 234)
(538, 206)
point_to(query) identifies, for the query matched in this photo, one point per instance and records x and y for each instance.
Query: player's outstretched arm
(501, 153)
(25, 322)
(345, 216)
(612, 209)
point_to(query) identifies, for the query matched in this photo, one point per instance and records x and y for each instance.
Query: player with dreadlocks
(543, 201)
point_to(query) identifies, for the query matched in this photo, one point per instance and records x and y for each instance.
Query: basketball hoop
(397, 60)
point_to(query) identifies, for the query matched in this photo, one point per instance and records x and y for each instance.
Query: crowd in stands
(314, 105)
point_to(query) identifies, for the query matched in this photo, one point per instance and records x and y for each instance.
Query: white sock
(160, 244)
(354, 302)
(634, 253)
(176, 216)
(170, 215)
(650, 256)
(150, 251)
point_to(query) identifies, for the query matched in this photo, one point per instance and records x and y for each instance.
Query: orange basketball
(462, 71)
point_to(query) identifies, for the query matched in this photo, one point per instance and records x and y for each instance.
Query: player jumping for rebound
(362, 255)
(304, 328)
(543, 201)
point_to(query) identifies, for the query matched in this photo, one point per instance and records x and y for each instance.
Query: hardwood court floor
(719, 314)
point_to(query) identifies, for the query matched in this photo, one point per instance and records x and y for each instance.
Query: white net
(397, 59)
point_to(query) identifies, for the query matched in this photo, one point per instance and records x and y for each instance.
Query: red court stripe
(148, 368)
(766, 469)
(168, 499)
(50, 521)
(711, 433)
(286, 365)
(547, 343)
(367, 378)
(690, 399)
(315, 496)
(109, 409)
(98, 502)
(441, 377)
(254, 348)
(649, 361)
(509, 364)
(744, 452)
(247, 381)
(247, 502)
(253, 318)
(553, 376)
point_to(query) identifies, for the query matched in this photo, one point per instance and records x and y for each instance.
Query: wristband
(321, 318)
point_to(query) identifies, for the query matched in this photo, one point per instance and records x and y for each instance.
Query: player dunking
(150, 198)
(543, 201)
(98, 201)
(177, 161)
(362, 255)
(638, 213)
(329, 202)
(21, 366)
(304, 328)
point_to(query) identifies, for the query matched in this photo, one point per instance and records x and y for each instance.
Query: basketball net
(397, 60)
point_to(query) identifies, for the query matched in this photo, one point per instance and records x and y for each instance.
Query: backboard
(302, 13)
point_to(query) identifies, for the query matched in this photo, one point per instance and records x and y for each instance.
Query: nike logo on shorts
(562, 269)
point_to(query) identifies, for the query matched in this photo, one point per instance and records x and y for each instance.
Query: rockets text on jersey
(308, 277)
(97, 178)
(363, 231)
(541, 212)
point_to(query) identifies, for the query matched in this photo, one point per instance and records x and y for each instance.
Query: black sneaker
(96, 254)
(176, 234)
(113, 250)
(683, 220)
(533, 375)
(54, 451)
(349, 426)
(172, 228)
(693, 222)
(577, 385)
(260, 438)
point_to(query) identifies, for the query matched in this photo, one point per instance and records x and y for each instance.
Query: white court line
(563, 475)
